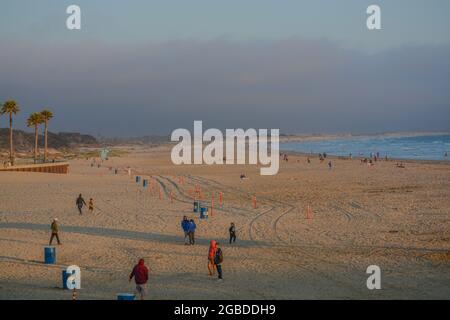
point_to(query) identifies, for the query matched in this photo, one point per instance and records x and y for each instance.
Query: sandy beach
(396, 218)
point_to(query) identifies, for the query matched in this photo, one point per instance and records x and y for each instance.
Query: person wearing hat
(54, 228)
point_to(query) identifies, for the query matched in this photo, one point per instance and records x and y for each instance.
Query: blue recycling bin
(203, 213)
(196, 206)
(138, 179)
(49, 255)
(125, 296)
(145, 183)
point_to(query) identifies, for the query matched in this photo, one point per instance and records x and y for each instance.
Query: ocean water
(427, 147)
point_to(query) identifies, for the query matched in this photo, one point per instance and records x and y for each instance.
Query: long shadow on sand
(123, 234)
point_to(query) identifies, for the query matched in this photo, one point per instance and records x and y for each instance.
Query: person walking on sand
(91, 205)
(211, 255)
(218, 259)
(191, 232)
(80, 202)
(329, 165)
(54, 228)
(232, 231)
(140, 274)
(185, 226)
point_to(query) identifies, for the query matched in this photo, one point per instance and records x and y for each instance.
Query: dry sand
(398, 219)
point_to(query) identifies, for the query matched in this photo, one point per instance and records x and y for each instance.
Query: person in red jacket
(211, 255)
(140, 274)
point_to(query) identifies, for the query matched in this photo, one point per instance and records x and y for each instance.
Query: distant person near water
(140, 274)
(185, 226)
(232, 231)
(218, 259)
(54, 228)
(80, 202)
(211, 255)
(329, 165)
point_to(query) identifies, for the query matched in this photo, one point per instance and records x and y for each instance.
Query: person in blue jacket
(192, 227)
(185, 226)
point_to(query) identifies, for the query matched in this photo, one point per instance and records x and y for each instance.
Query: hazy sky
(143, 67)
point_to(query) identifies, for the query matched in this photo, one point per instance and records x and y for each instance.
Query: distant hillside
(145, 140)
(24, 141)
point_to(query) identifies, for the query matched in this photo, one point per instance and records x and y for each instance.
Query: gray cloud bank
(294, 84)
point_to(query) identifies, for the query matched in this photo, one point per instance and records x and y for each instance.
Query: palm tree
(46, 116)
(11, 107)
(35, 119)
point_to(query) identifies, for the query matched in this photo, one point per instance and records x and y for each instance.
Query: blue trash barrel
(125, 296)
(138, 179)
(49, 255)
(203, 213)
(196, 205)
(145, 183)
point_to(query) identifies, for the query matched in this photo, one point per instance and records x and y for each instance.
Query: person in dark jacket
(80, 202)
(54, 228)
(192, 227)
(140, 274)
(218, 259)
(185, 226)
(232, 231)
